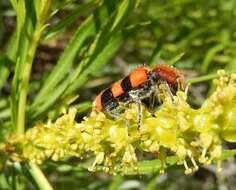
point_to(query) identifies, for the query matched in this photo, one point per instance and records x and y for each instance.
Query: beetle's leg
(116, 114)
(139, 110)
(137, 100)
(152, 101)
(167, 88)
(155, 99)
(113, 114)
(152, 94)
(111, 108)
(186, 89)
(158, 95)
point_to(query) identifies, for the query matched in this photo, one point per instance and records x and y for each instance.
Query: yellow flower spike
(192, 135)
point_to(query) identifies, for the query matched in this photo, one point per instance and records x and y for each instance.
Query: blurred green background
(196, 36)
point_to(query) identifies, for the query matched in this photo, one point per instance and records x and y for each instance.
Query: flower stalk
(193, 136)
(39, 177)
(25, 60)
(25, 80)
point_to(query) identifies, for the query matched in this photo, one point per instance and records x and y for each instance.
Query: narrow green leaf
(38, 8)
(66, 60)
(98, 54)
(83, 107)
(35, 110)
(156, 53)
(231, 66)
(13, 46)
(21, 14)
(85, 31)
(175, 59)
(14, 4)
(122, 14)
(115, 23)
(101, 60)
(60, 90)
(201, 78)
(210, 55)
(68, 20)
(5, 114)
(197, 32)
(23, 47)
(3, 103)
(100, 45)
(4, 70)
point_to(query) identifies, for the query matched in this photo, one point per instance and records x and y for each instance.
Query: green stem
(201, 78)
(152, 183)
(25, 80)
(39, 177)
(116, 181)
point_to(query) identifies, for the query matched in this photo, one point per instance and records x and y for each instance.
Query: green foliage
(196, 36)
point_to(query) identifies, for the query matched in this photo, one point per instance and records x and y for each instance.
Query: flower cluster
(194, 136)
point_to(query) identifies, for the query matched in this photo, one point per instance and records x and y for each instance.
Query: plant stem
(152, 183)
(116, 181)
(201, 78)
(25, 80)
(39, 177)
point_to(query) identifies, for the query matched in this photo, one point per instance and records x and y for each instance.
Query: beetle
(143, 82)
